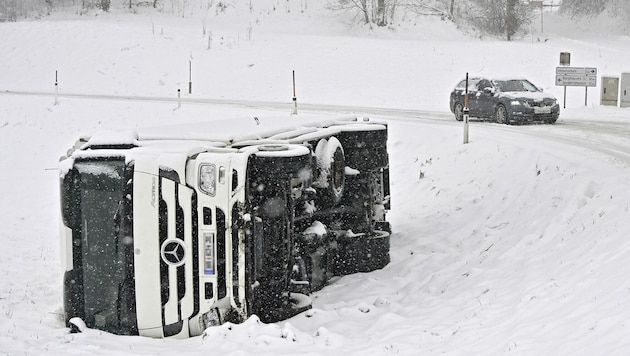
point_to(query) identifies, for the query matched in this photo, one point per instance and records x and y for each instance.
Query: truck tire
(281, 159)
(365, 147)
(331, 166)
(362, 252)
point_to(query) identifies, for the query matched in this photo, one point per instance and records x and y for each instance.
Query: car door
(485, 99)
(473, 92)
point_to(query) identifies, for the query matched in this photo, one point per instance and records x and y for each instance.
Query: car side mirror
(488, 90)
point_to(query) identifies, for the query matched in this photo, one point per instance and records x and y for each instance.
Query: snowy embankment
(514, 243)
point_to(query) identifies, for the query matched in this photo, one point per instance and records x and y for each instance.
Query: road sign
(575, 81)
(576, 71)
(576, 76)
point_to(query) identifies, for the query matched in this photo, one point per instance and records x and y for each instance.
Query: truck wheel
(365, 147)
(331, 165)
(363, 252)
(282, 159)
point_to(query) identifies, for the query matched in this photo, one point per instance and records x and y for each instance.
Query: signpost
(294, 97)
(466, 112)
(576, 77)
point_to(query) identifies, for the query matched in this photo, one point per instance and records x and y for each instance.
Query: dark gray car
(506, 101)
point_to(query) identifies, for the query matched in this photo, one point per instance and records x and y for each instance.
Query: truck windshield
(106, 248)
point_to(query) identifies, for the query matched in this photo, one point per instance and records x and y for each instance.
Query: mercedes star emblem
(173, 252)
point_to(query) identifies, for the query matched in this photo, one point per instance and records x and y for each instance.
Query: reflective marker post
(56, 89)
(466, 112)
(294, 97)
(190, 76)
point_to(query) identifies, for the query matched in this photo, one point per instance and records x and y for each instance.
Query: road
(611, 138)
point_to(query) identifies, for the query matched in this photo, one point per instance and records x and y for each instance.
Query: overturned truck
(168, 231)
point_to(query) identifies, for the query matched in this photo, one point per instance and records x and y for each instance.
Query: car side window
(483, 84)
(472, 85)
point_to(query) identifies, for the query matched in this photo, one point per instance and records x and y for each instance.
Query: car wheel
(459, 111)
(501, 115)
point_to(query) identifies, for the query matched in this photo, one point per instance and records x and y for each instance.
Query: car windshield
(515, 85)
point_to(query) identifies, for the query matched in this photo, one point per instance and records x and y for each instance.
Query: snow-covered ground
(514, 243)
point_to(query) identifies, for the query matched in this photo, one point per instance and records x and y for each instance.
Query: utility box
(624, 92)
(610, 91)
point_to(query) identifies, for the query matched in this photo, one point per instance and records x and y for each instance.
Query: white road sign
(576, 76)
(579, 71)
(562, 80)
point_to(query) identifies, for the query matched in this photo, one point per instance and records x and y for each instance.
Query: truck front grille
(179, 254)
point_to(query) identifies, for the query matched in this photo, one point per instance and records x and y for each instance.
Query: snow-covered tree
(494, 17)
(612, 8)
(583, 7)
(12, 10)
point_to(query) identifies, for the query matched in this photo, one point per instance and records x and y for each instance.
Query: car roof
(473, 80)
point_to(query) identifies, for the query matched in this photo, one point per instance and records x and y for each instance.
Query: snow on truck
(166, 232)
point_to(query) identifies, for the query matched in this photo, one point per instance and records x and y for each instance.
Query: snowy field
(516, 243)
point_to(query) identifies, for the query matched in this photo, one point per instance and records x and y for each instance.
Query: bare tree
(432, 7)
(380, 12)
(501, 17)
(510, 19)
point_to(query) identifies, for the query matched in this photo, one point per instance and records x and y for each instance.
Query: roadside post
(294, 97)
(56, 89)
(466, 112)
(190, 75)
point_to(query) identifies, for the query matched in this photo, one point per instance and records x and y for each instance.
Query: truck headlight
(208, 179)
